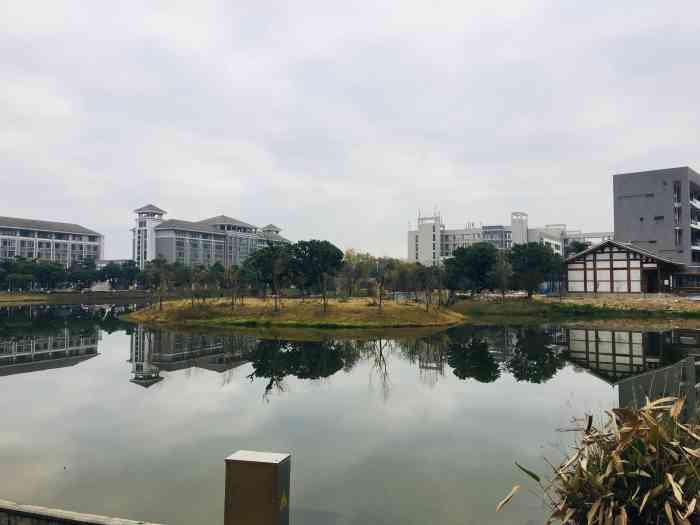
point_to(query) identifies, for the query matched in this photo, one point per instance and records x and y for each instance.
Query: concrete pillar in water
(257, 488)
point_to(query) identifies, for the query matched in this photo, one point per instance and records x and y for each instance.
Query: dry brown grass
(355, 313)
(21, 298)
(642, 467)
(629, 302)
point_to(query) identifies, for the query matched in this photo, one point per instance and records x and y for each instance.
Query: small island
(297, 313)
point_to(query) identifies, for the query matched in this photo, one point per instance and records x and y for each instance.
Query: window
(677, 213)
(678, 240)
(676, 191)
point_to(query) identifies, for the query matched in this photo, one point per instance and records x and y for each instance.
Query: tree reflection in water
(275, 359)
(471, 359)
(534, 359)
(479, 353)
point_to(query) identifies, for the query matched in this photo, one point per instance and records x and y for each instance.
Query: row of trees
(309, 267)
(482, 267)
(22, 275)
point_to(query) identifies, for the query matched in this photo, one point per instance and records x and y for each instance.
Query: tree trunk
(323, 292)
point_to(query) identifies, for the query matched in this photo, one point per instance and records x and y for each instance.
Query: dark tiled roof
(45, 226)
(150, 208)
(223, 219)
(625, 246)
(174, 224)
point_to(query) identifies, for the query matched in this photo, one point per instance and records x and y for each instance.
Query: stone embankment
(15, 514)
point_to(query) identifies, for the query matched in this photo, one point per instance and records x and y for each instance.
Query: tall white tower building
(519, 227)
(144, 238)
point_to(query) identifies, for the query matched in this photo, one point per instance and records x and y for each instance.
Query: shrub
(642, 467)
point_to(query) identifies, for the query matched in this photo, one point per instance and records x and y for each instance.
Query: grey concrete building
(219, 239)
(59, 242)
(659, 211)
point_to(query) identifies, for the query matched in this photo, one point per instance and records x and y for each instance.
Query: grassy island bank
(12, 299)
(296, 313)
(581, 307)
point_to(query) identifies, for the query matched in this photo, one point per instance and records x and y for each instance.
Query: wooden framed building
(616, 267)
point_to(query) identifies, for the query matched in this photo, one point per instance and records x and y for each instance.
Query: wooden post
(257, 488)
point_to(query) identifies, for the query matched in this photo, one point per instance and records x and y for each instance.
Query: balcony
(694, 201)
(695, 223)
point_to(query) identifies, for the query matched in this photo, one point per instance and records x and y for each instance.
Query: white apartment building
(58, 242)
(430, 243)
(218, 239)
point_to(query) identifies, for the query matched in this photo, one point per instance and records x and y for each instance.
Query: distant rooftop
(175, 224)
(272, 236)
(45, 226)
(272, 227)
(150, 208)
(661, 170)
(224, 219)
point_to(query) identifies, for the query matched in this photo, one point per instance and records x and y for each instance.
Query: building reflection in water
(642, 365)
(60, 348)
(153, 351)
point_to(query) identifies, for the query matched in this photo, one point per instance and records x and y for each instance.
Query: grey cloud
(340, 120)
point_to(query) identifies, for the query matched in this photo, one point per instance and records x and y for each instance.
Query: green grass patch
(564, 310)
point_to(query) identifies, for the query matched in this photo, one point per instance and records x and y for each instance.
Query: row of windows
(47, 235)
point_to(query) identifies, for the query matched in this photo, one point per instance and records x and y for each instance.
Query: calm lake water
(100, 416)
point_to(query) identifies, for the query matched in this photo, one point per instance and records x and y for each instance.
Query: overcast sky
(340, 120)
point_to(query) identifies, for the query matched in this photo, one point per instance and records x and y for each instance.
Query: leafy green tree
(356, 268)
(473, 266)
(47, 274)
(532, 264)
(19, 281)
(503, 272)
(232, 283)
(575, 247)
(318, 260)
(271, 266)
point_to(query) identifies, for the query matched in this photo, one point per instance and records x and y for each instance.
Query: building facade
(219, 239)
(430, 243)
(657, 229)
(659, 210)
(58, 242)
(620, 268)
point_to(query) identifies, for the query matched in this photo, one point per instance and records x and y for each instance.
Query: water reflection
(640, 363)
(376, 421)
(643, 365)
(36, 338)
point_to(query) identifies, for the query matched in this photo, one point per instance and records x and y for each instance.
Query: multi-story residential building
(219, 239)
(58, 242)
(431, 242)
